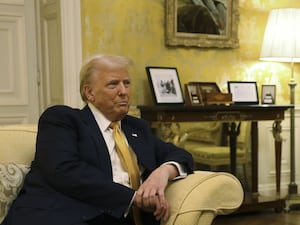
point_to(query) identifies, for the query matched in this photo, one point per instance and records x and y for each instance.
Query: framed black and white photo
(165, 85)
(268, 94)
(243, 92)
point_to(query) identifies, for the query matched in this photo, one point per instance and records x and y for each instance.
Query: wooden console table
(233, 113)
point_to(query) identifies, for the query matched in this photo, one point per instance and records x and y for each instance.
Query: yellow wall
(135, 28)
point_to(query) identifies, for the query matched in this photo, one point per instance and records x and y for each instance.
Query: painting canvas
(202, 23)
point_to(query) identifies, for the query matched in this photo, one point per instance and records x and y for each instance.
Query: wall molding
(72, 51)
(13, 119)
(14, 90)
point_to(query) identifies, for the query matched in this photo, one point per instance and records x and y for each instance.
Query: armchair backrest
(243, 140)
(17, 143)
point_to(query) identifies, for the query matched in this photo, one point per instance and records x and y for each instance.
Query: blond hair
(100, 63)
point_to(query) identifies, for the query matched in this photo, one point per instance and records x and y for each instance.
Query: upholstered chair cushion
(11, 181)
(202, 196)
(16, 153)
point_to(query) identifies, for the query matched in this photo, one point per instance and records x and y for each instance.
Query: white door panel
(19, 102)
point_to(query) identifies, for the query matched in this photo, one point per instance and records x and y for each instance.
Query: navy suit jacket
(70, 180)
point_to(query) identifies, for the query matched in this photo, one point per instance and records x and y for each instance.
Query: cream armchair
(197, 199)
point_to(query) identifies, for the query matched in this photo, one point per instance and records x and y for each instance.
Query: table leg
(233, 132)
(255, 201)
(254, 158)
(278, 149)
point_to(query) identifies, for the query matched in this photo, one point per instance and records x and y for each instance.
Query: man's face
(109, 92)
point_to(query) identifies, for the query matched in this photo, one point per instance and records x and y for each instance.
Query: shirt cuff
(181, 169)
(129, 207)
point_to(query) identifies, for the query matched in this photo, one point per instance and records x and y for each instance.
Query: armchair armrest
(201, 196)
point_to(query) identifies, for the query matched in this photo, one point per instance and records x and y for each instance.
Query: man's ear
(88, 92)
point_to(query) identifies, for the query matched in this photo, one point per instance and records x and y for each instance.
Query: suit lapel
(135, 140)
(96, 135)
(134, 137)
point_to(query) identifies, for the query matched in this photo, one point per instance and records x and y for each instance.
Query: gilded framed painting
(202, 23)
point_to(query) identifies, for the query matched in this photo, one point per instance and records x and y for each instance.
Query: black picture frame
(243, 92)
(165, 85)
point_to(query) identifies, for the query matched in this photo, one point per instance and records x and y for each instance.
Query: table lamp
(281, 43)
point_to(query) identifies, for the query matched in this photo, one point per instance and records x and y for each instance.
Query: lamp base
(293, 188)
(292, 200)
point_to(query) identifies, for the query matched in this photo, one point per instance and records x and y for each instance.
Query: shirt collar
(102, 121)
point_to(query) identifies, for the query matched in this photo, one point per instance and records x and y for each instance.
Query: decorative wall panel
(14, 78)
(19, 100)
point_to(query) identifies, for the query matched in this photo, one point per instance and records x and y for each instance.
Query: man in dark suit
(77, 177)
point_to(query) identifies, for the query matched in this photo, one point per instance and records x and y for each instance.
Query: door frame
(70, 19)
(72, 50)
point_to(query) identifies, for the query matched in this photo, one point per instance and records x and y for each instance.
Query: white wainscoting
(266, 161)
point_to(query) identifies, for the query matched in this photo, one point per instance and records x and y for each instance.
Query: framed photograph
(165, 85)
(212, 23)
(268, 94)
(208, 87)
(243, 92)
(196, 92)
(193, 95)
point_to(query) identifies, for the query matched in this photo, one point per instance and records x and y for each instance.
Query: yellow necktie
(129, 164)
(128, 161)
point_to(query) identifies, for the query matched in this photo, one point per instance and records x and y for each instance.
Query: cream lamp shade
(281, 41)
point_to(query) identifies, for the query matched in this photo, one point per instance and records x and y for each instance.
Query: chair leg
(246, 176)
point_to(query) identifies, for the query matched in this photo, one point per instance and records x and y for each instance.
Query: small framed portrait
(268, 94)
(208, 87)
(165, 85)
(197, 92)
(193, 95)
(243, 92)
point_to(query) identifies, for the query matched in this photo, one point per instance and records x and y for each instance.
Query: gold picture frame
(210, 31)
